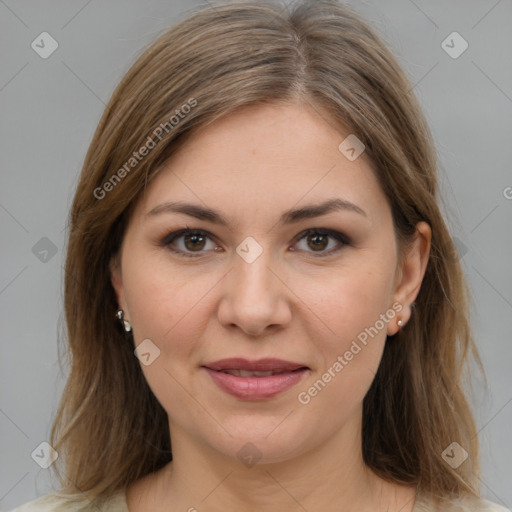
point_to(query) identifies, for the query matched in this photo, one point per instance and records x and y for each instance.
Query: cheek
(158, 295)
(167, 310)
(351, 312)
(347, 358)
(350, 300)
(170, 307)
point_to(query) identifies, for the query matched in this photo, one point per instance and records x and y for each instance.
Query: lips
(255, 380)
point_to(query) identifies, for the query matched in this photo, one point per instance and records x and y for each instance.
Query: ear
(411, 272)
(116, 279)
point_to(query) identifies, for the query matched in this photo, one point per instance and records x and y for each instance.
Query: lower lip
(256, 388)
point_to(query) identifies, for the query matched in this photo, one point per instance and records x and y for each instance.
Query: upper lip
(261, 365)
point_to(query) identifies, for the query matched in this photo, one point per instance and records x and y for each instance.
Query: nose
(255, 298)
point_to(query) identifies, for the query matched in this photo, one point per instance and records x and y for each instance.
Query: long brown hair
(109, 429)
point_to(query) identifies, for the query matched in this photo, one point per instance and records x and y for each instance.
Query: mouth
(255, 380)
(248, 373)
(263, 366)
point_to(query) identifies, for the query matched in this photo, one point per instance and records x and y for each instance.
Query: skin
(296, 305)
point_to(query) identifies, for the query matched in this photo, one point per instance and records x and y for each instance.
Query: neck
(330, 477)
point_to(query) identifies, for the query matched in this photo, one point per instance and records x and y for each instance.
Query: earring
(400, 323)
(127, 325)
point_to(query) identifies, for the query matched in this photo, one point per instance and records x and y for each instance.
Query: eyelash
(340, 237)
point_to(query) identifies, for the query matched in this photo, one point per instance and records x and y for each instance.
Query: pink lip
(255, 388)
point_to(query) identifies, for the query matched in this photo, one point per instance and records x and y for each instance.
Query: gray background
(50, 108)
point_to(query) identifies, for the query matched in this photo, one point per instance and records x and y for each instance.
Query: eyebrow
(288, 217)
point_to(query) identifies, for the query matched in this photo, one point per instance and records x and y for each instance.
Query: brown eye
(194, 242)
(317, 240)
(189, 242)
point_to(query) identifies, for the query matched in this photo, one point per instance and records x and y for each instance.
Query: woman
(265, 308)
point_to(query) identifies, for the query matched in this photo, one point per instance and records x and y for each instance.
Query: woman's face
(259, 287)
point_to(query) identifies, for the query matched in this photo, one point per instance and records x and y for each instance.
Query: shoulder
(55, 502)
(47, 503)
(490, 506)
(460, 504)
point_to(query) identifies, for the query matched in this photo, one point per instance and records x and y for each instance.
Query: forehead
(266, 158)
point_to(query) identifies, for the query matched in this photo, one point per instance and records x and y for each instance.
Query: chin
(263, 440)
